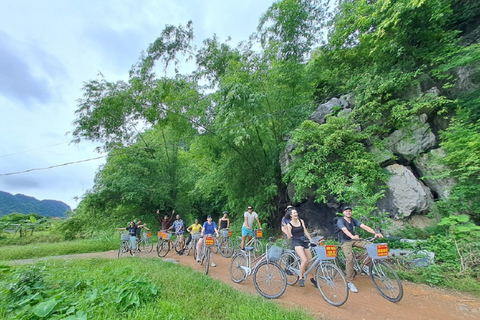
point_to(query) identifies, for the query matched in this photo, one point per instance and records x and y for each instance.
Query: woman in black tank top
(297, 231)
(224, 222)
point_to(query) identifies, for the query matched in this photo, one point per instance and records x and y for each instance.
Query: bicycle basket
(326, 252)
(377, 250)
(274, 253)
(125, 236)
(319, 240)
(209, 241)
(226, 233)
(258, 234)
(196, 236)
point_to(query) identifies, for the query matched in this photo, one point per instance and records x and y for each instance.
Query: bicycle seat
(248, 248)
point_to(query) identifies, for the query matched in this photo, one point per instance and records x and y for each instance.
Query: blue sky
(49, 48)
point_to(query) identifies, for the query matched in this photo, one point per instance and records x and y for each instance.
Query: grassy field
(115, 289)
(125, 289)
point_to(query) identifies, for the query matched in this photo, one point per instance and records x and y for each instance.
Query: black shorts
(299, 243)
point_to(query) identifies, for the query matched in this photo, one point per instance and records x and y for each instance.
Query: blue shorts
(247, 232)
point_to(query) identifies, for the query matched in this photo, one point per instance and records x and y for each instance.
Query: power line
(157, 145)
(12, 154)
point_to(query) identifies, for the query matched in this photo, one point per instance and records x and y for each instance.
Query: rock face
(408, 155)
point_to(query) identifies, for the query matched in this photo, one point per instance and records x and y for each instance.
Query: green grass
(127, 289)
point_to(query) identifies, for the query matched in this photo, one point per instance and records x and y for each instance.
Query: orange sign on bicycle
(259, 234)
(331, 251)
(382, 250)
(162, 235)
(149, 234)
(229, 233)
(209, 241)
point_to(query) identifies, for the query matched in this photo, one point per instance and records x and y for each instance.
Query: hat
(225, 212)
(209, 217)
(347, 208)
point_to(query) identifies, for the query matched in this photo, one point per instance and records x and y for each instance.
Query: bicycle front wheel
(258, 248)
(123, 249)
(147, 246)
(269, 280)
(289, 263)
(207, 259)
(332, 284)
(237, 271)
(386, 280)
(162, 248)
(226, 248)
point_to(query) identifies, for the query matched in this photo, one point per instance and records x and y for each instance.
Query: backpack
(336, 229)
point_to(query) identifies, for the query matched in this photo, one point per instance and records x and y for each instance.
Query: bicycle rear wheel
(226, 247)
(269, 280)
(162, 248)
(178, 245)
(287, 262)
(332, 284)
(237, 273)
(386, 280)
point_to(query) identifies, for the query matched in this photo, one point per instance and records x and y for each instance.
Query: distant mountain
(20, 203)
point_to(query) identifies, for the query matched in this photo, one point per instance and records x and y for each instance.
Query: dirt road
(419, 301)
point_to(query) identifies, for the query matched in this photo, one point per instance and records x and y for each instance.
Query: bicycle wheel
(226, 247)
(269, 280)
(386, 280)
(207, 259)
(162, 248)
(331, 283)
(146, 246)
(288, 262)
(123, 249)
(237, 273)
(214, 248)
(202, 254)
(258, 248)
(340, 261)
(186, 251)
(178, 245)
(195, 253)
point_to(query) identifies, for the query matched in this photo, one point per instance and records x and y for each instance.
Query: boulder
(405, 194)
(342, 104)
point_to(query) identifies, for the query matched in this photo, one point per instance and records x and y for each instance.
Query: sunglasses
(250, 208)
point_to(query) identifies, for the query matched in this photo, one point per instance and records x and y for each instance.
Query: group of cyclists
(292, 226)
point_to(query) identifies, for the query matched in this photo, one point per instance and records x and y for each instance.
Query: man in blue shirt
(179, 227)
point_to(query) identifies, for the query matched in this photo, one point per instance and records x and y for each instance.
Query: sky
(49, 48)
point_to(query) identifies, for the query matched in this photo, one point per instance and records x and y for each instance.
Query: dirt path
(419, 301)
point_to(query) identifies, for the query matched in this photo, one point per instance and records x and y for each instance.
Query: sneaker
(213, 264)
(314, 282)
(352, 287)
(180, 252)
(133, 254)
(198, 259)
(301, 283)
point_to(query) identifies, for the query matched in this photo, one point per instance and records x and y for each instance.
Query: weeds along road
(419, 301)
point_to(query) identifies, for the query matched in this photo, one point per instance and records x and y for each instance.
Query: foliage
(124, 288)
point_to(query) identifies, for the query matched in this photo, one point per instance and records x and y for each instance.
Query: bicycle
(208, 243)
(329, 278)
(192, 245)
(164, 243)
(372, 263)
(268, 277)
(144, 244)
(258, 248)
(226, 244)
(126, 245)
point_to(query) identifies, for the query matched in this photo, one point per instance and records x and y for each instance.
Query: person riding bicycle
(348, 239)
(224, 221)
(166, 221)
(132, 231)
(194, 228)
(297, 231)
(247, 228)
(179, 227)
(140, 226)
(209, 228)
